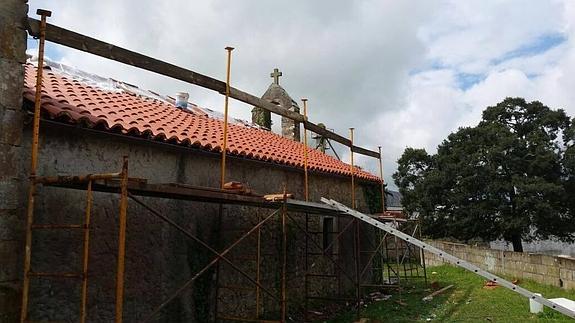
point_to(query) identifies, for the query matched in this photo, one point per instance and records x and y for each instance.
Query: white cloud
(391, 69)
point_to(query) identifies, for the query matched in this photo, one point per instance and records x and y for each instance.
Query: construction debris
(278, 197)
(238, 188)
(378, 296)
(489, 284)
(437, 292)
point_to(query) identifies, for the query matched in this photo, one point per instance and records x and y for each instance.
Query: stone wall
(550, 270)
(12, 192)
(159, 258)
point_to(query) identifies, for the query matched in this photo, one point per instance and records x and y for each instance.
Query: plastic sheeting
(111, 85)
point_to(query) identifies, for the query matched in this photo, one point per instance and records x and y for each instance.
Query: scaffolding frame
(134, 188)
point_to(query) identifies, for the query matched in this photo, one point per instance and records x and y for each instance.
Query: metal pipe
(320, 247)
(372, 256)
(34, 164)
(306, 195)
(284, 258)
(122, 242)
(333, 150)
(306, 187)
(306, 268)
(227, 99)
(338, 271)
(397, 262)
(219, 256)
(37, 98)
(86, 252)
(357, 265)
(422, 253)
(352, 169)
(217, 291)
(258, 270)
(382, 182)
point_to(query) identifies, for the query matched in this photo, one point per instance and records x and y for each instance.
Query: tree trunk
(516, 241)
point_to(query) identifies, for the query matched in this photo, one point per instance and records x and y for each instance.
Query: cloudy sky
(403, 73)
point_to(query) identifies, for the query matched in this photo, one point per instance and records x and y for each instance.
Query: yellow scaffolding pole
(352, 168)
(382, 182)
(122, 242)
(306, 187)
(34, 165)
(226, 102)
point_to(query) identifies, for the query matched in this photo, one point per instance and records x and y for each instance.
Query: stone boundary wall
(550, 270)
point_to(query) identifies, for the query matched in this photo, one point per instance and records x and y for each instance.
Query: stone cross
(276, 76)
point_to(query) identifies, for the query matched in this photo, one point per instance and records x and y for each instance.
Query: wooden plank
(363, 151)
(93, 46)
(90, 45)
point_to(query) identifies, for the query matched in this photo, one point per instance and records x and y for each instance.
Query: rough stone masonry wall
(12, 55)
(551, 270)
(159, 259)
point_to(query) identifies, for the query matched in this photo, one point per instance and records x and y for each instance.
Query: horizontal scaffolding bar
(191, 193)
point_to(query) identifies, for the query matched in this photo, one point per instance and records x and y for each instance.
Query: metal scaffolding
(365, 273)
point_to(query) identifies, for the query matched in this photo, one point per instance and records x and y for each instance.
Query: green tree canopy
(510, 177)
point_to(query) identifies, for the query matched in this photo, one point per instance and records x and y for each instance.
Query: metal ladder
(452, 259)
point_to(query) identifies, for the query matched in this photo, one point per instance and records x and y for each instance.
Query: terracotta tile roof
(69, 100)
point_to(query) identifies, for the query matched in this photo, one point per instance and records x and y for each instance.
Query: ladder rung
(58, 226)
(56, 275)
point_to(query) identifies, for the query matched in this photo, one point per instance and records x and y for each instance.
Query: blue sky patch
(430, 66)
(538, 46)
(50, 50)
(465, 80)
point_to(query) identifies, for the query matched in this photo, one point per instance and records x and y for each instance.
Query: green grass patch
(467, 301)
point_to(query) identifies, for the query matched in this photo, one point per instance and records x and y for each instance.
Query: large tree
(510, 177)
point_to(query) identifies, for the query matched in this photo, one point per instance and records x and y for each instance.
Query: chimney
(182, 100)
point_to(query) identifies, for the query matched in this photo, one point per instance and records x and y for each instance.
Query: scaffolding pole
(34, 165)
(219, 256)
(122, 242)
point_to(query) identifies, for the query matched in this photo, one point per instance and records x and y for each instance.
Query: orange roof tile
(72, 101)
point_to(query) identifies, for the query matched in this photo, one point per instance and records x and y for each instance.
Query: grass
(467, 301)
